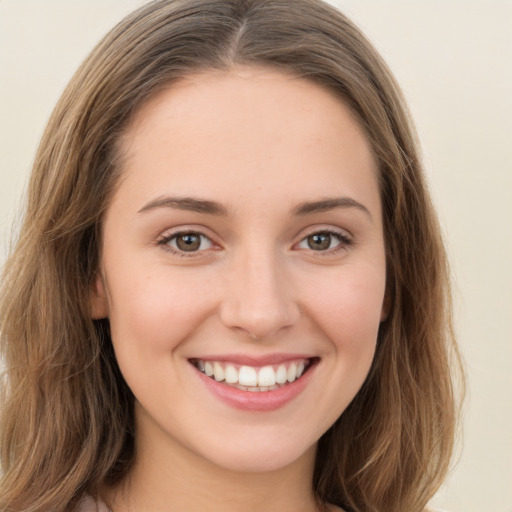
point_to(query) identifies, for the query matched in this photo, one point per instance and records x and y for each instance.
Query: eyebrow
(214, 208)
(186, 203)
(325, 205)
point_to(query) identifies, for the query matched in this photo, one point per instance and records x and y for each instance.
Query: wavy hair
(67, 415)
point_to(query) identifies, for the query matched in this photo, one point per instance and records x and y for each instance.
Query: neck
(167, 476)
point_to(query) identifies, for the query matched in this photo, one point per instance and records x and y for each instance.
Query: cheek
(155, 310)
(345, 309)
(348, 307)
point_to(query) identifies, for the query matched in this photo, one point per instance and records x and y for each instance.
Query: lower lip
(257, 400)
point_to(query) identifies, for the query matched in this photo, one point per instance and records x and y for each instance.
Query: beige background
(454, 61)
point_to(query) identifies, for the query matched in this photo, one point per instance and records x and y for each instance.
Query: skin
(260, 144)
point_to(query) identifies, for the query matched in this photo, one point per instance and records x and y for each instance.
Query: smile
(253, 378)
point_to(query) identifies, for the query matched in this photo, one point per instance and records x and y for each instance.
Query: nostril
(257, 325)
(248, 332)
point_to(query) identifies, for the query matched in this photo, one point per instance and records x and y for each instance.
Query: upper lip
(250, 360)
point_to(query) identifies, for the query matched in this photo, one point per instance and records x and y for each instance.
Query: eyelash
(166, 239)
(344, 242)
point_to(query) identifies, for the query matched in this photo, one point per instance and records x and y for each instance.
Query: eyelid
(326, 228)
(345, 238)
(170, 234)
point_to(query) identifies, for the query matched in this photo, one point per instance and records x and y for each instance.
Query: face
(243, 267)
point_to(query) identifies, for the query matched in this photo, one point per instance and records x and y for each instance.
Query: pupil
(319, 242)
(188, 242)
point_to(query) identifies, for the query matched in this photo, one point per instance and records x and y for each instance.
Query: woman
(230, 289)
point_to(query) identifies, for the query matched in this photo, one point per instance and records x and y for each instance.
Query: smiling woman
(269, 312)
(229, 291)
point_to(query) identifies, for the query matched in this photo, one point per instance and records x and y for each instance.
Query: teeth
(208, 369)
(281, 374)
(291, 374)
(231, 375)
(247, 378)
(218, 372)
(266, 376)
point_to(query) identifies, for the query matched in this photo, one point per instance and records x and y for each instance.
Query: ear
(98, 299)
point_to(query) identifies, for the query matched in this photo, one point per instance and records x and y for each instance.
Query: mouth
(257, 379)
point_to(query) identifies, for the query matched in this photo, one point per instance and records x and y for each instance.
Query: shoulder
(89, 504)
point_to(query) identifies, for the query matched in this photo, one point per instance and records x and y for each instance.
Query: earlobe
(98, 299)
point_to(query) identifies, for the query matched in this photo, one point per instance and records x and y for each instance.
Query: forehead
(249, 127)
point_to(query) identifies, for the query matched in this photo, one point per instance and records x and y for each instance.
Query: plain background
(453, 59)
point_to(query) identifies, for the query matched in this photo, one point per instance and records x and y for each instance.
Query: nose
(258, 297)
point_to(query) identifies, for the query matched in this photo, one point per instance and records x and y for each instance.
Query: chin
(271, 454)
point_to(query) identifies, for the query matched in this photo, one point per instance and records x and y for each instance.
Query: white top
(89, 504)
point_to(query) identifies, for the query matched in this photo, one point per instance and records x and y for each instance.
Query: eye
(324, 241)
(187, 242)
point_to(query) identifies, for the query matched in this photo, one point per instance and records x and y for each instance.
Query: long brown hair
(67, 415)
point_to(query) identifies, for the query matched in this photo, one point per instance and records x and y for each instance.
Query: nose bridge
(259, 297)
